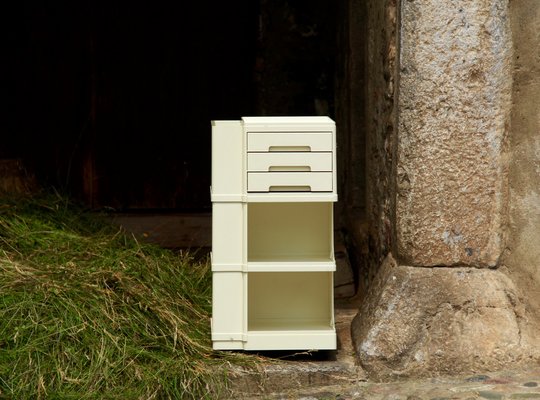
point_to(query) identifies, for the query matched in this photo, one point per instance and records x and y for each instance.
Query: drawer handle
(306, 188)
(290, 148)
(291, 168)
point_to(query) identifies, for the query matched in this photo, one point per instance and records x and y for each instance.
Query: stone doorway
(450, 201)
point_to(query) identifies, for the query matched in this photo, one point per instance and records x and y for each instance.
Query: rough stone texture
(432, 321)
(350, 113)
(502, 385)
(454, 103)
(522, 256)
(381, 124)
(283, 377)
(300, 370)
(366, 121)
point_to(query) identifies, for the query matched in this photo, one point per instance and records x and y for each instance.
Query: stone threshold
(288, 371)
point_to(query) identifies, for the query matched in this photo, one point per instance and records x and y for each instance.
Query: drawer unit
(273, 188)
(289, 160)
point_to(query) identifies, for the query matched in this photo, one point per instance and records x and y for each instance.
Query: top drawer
(289, 141)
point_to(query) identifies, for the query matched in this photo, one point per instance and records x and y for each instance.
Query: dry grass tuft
(88, 312)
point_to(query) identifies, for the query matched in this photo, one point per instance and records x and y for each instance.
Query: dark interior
(112, 101)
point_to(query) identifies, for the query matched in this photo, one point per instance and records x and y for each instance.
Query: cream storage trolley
(273, 189)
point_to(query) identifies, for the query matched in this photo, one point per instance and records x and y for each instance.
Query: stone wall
(440, 321)
(366, 116)
(522, 256)
(454, 107)
(381, 123)
(475, 308)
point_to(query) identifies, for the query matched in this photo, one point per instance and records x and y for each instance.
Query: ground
(333, 376)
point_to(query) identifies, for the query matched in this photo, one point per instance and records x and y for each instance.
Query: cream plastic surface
(289, 182)
(289, 141)
(273, 188)
(291, 161)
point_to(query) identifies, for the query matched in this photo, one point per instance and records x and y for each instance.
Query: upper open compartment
(290, 236)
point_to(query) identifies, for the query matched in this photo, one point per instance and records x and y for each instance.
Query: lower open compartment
(290, 311)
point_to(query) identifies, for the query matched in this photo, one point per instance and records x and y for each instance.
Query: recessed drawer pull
(290, 148)
(286, 181)
(290, 168)
(289, 161)
(304, 142)
(290, 188)
(290, 141)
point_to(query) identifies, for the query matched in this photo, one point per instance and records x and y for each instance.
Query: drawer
(283, 162)
(289, 141)
(289, 181)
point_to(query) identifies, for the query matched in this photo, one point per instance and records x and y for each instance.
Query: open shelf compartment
(290, 301)
(290, 237)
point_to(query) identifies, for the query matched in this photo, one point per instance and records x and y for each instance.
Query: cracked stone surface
(432, 321)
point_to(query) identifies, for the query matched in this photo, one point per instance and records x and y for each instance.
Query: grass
(88, 312)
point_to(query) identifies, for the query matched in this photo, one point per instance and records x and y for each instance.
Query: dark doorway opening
(112, 102)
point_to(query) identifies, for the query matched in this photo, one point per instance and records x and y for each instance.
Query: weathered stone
(490, 395)
(431, 321)
(522, 255)
(477, 378)
(283, 377)
(525, 396)
(454, 103)
(382, 70)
